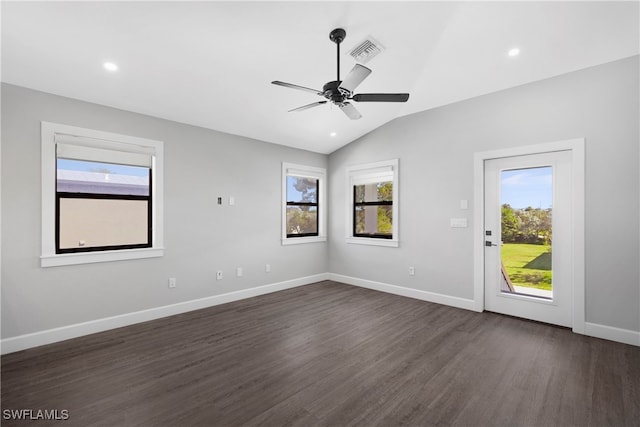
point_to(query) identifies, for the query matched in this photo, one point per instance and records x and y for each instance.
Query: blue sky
(533, 187)
(293, 195)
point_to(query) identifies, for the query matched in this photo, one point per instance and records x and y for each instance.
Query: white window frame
(103, 140)
(291, 169)
(369, 173)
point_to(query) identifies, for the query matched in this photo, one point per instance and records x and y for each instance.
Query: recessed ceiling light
(332, 134)
(514, 52)
(110, 66)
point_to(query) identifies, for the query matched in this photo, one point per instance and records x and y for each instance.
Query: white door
(528, 236)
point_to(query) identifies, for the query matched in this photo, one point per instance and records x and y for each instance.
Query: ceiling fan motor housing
(332, 93)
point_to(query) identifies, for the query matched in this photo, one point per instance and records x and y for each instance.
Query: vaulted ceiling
(211, 64)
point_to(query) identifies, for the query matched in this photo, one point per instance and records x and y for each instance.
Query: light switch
(464, 204)
(232, 201)
(459, 223)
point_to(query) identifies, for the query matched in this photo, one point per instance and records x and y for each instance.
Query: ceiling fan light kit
(339, 92)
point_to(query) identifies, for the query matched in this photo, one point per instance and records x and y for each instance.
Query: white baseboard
(23, 342)
(625, 336)
(467, 304)
(610, 333)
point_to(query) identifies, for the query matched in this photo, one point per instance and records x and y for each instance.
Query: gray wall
(436, 149)
(200, 236)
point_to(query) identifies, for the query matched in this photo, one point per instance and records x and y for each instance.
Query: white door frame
(577, 148)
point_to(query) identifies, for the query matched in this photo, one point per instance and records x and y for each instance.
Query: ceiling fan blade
(350, 111)
(381, 97)
(354, 78)
(306, 107)
(292, 86)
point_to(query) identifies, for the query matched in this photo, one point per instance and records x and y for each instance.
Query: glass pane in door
(526, 198)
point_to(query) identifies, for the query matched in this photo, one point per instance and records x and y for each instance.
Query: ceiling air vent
(366, 50)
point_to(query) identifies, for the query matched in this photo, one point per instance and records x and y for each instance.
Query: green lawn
(528, 265)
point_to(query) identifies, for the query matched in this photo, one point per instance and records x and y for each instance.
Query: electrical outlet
(412, 271)
(267, 268)
(219, 275)
(239, 272)
(172, 282)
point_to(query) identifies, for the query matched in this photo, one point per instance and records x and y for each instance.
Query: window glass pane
(374, 192)
(374, 220)
(302, 219)
(301, 189)
(86, 223)
(526, 231)
(80, 176)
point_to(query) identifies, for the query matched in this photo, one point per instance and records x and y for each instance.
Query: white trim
(610, 333)
(49, 132)
(301, 240)
(367, 173)
(464, 303)
(102, 256)
(478, 232)
(291, 169)
(625, 336)
(22, 342)
(392, 243)
(577, 148)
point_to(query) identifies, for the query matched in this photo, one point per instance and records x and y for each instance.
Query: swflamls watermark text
(35, 414)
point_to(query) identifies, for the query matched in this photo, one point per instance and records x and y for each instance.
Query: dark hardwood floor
(329, 354)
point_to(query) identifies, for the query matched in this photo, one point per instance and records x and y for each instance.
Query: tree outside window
(373, 210)
(302, 206)
(372, 204)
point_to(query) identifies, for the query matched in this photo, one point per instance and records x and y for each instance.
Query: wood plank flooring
(329, 354)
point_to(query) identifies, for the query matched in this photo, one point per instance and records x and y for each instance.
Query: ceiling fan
(339, 92)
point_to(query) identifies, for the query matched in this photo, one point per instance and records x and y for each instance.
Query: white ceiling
(210, 64)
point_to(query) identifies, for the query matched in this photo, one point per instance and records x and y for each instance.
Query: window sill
(93, 257)
(391, 243)
(300, 240)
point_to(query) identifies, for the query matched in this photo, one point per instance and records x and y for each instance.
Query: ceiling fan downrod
(337, 36)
